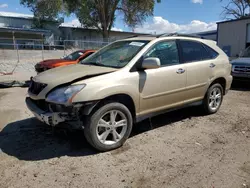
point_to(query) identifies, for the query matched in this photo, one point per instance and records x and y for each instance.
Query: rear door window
(193, 51)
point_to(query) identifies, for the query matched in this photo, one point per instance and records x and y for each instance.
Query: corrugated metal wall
(232, 36)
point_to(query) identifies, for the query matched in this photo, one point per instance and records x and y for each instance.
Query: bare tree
(236, 9)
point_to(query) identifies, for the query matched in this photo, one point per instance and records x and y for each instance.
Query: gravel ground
(181, 149)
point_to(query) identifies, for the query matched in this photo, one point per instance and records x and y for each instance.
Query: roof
(234, 20)
(16, 15)
(22, 16)
(205, 33)
(68, 25)
(25, 30)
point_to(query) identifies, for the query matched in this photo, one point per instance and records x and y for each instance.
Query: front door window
(166, 51)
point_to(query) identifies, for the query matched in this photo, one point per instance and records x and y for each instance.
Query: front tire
(108, 127)
(213, 99)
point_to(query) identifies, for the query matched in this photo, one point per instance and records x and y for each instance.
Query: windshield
(246, 52)
(74, 56)
(117, 54)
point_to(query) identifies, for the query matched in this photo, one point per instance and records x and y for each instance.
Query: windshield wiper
(99, 64)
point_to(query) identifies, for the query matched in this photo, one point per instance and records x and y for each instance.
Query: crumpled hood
(50, 62)
(66, 74)
(241, 61)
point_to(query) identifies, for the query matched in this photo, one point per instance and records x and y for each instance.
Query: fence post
(64, 47)
(15, 47)
(14, 43)
(42, 48)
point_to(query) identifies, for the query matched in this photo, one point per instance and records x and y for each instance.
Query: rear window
(212, 53)
(194, 51)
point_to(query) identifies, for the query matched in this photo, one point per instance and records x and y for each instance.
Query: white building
(234, 35)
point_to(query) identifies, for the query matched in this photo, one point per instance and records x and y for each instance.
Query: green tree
(44, 10)
(99, 14)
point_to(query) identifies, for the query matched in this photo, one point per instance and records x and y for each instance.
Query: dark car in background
(241, 66)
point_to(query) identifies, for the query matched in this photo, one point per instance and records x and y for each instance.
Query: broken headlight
(64, 95)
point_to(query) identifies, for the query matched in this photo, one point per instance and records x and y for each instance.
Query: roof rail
(179, 35)
(146, 35)
(132, 36)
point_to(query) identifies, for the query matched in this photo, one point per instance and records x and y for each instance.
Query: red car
(72, 58)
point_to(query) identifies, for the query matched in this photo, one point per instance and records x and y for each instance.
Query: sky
(187, 16)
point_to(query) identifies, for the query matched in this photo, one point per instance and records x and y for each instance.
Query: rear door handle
(180, 71)
(212, 65)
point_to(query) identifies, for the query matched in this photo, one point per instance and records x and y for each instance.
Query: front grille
(36, 87)
(60, 108)
(42, 104)
(241, 69)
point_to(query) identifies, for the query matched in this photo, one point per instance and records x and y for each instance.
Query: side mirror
(151, 63)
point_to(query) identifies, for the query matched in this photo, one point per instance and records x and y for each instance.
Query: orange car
(72, 58)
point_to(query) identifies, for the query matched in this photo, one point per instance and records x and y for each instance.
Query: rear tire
(108, 127)
(213, 99)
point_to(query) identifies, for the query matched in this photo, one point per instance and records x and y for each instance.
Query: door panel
(199, 75)
(200, 66)
(162, 88)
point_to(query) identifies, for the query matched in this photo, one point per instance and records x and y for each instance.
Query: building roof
(205, 33)
(233, 20)
(27, 30)
(22, 16)
(16, 15)
(93, 29)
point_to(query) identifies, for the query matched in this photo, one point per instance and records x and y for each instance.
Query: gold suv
(128, 81)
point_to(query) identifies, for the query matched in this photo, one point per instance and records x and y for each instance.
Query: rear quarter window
(212, 53)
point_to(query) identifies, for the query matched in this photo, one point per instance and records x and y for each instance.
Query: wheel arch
(122, 98)
(221, 81)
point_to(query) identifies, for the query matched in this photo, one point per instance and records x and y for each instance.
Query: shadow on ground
(241, 85)
(31, 140)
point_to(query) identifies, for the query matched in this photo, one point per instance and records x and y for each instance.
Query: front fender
(96, 94)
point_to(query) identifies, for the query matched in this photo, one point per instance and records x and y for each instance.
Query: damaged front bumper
(48, 116)
(53, 114)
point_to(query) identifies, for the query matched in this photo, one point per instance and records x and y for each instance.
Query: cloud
(73, 23)
(197, 1)
(4, 5)
(116, 29)
(161, 25)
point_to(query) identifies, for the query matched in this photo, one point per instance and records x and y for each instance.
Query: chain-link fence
(22, 54)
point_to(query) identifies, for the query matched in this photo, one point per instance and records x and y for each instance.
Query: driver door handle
(180, 71)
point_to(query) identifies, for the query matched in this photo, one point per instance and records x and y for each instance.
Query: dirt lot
(181, 149)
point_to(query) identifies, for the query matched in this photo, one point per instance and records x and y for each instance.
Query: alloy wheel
(215, 98)
(111, 127)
